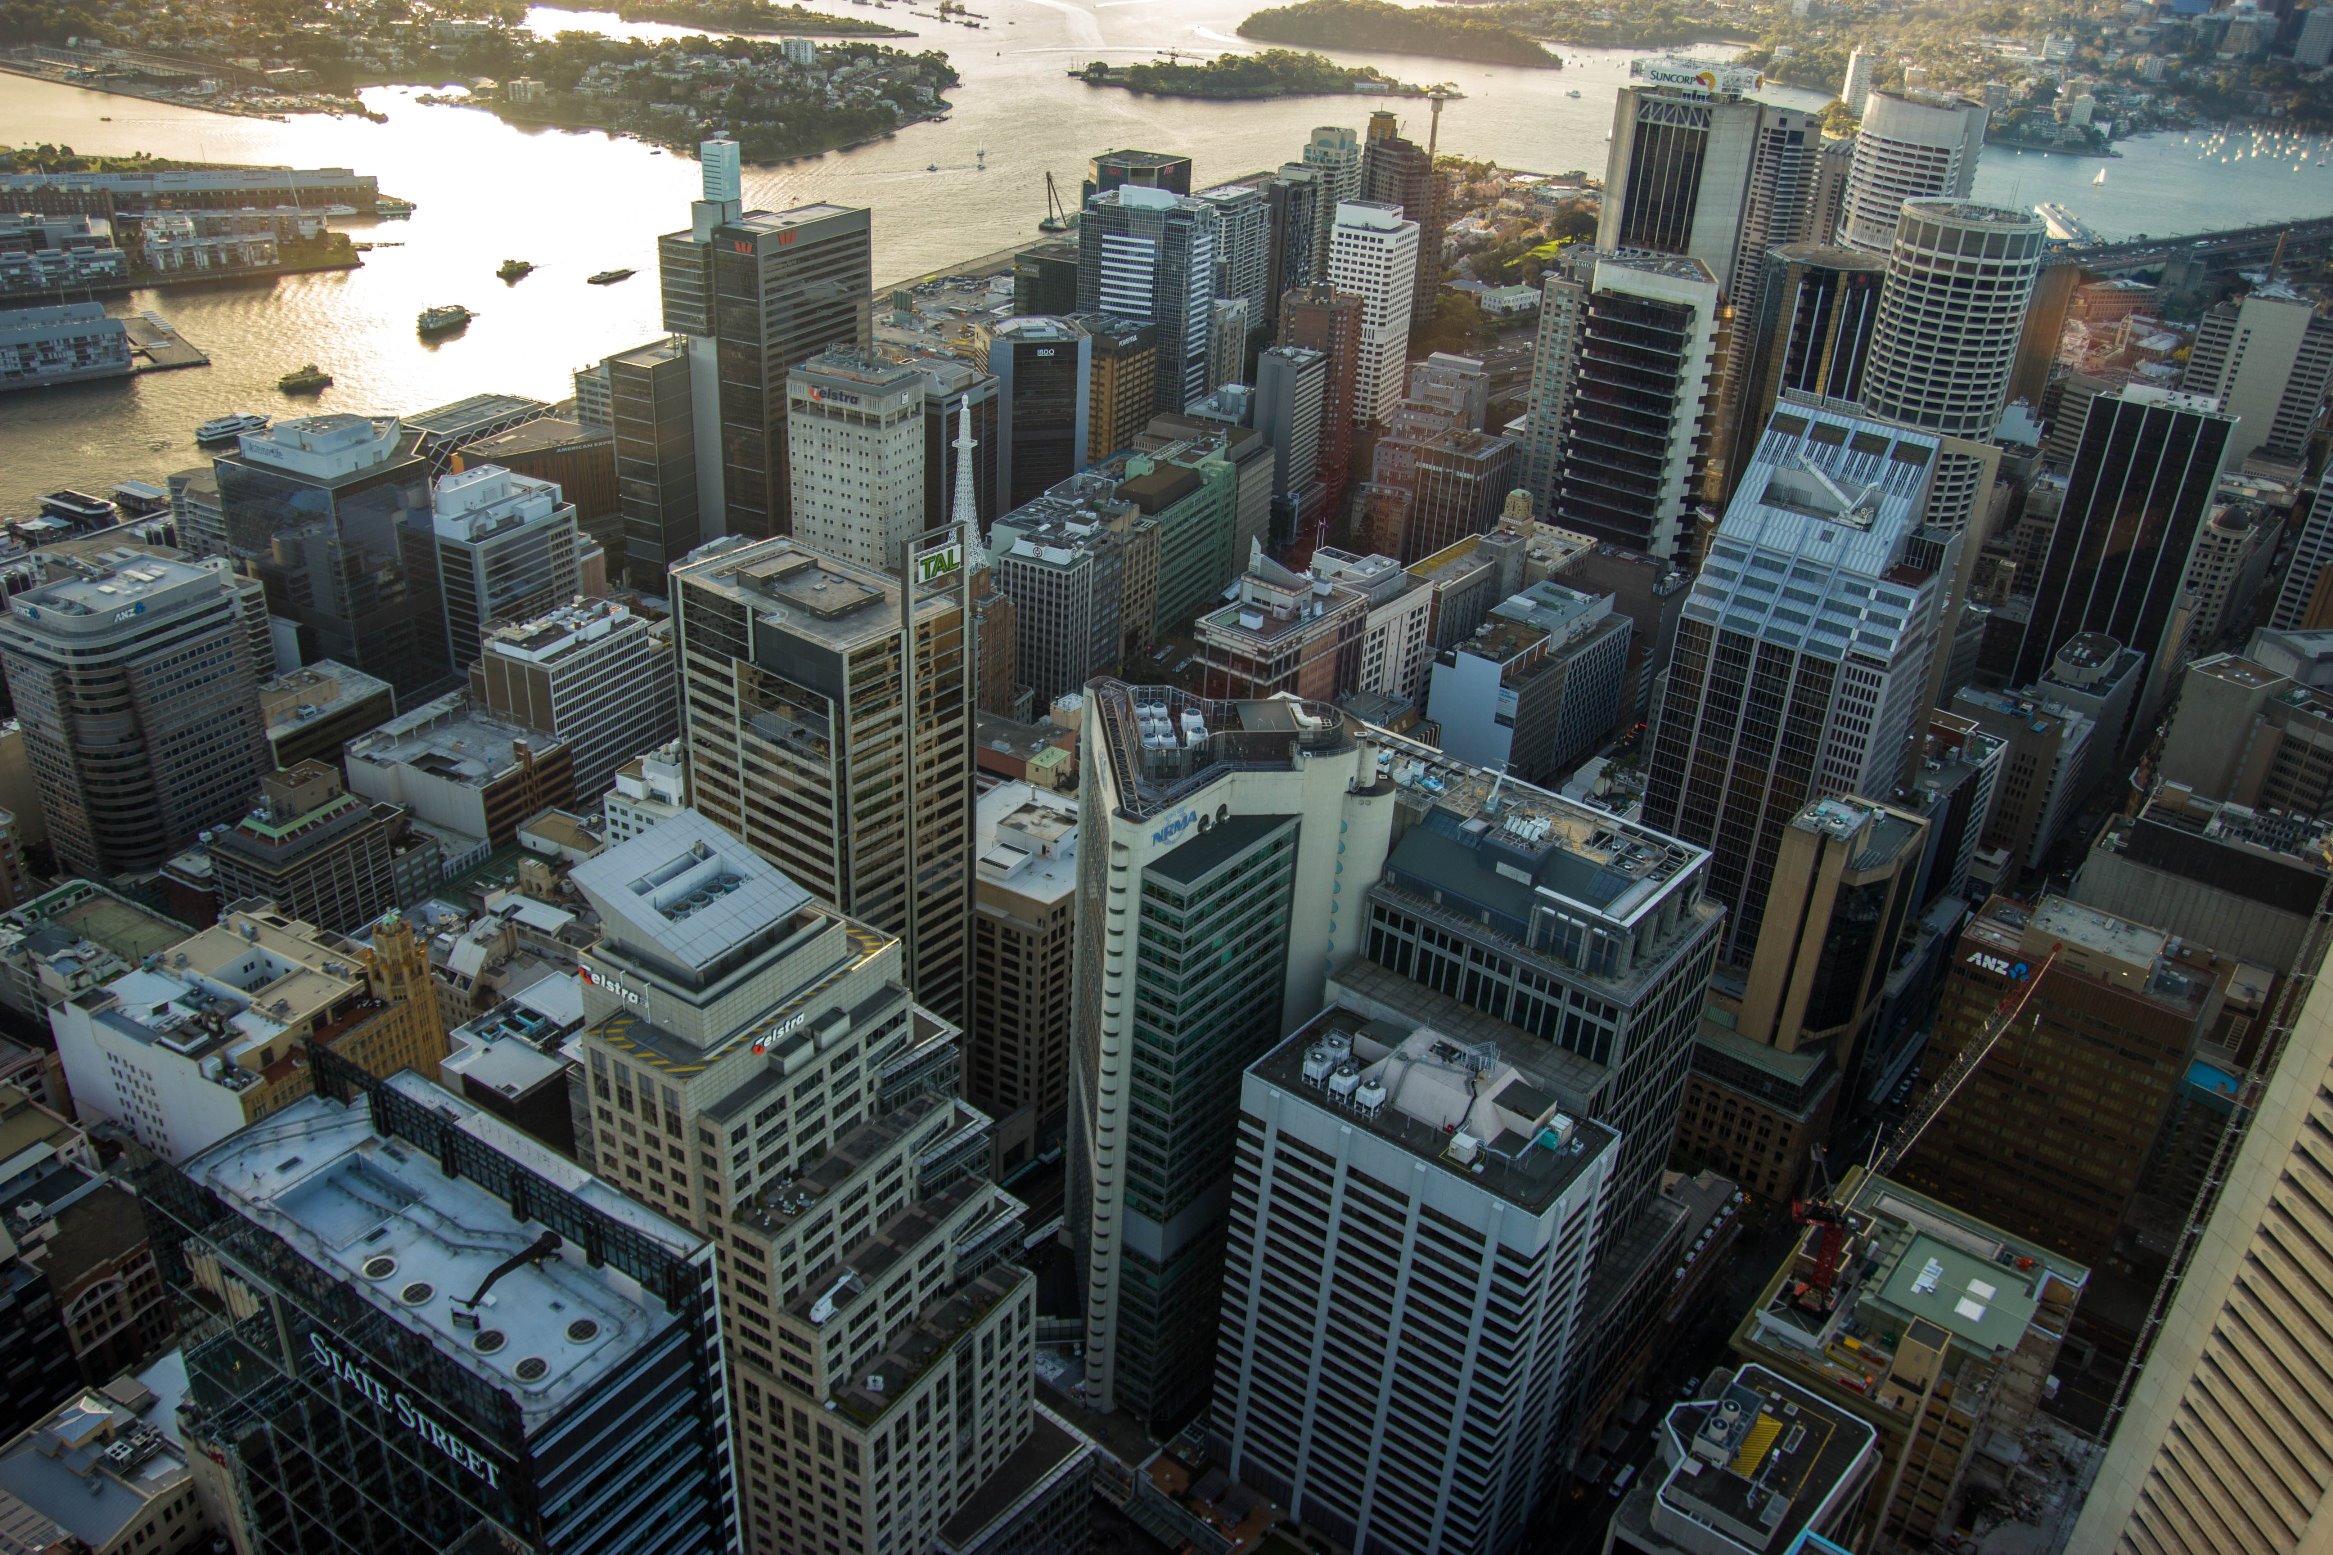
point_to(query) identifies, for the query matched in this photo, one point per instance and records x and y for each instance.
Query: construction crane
(1828, 1213)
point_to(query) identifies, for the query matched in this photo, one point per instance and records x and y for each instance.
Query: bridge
(2211, 250)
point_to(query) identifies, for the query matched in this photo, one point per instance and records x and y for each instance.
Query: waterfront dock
(156, 346)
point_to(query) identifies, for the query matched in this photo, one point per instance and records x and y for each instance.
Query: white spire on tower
(967, 509)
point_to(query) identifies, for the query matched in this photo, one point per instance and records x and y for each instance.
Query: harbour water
(579, 202)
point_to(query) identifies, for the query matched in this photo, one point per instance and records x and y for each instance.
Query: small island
(1271, 73)
(1393, 29)
(754, 16)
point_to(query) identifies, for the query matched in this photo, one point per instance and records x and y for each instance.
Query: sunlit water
(577, 202)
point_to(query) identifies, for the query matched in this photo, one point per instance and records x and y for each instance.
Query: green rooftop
(1985, 1305)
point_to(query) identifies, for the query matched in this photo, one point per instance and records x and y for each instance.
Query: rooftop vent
(416, 1293)
(533, 1369)
(582, 1331)
(379, 1268)
(489, 1340)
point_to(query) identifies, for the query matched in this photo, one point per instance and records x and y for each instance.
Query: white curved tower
(1911, 145)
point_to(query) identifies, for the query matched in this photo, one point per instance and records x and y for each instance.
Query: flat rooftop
(62, 1474)
(1760, 1457)
(686, 890)
(544, 434)
(120, 583)
(788, 584)
(316, 691)
(1025, 840)
(385, 1220)
(1493, 1119)
(1162, 741)
(478, 410)
(450, 739)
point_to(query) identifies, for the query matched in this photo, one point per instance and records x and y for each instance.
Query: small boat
(609, 277)
(933, 168)
(516, 269)
(2101, 178)
(389, 207)
(105, 118)
(1574, 92)
(443, 320)
(310, 379)
(220, 429)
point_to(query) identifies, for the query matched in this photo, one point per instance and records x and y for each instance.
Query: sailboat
(2101, 178)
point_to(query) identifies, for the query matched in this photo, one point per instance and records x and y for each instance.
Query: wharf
(158, 346)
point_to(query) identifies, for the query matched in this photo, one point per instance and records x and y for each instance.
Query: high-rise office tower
(1810, 332)
(859, 483)
(1855, 90)
(1432, 481)
(758, 293)
(1210, 836)
(435, 1314)
(1291, 408)
(1834, 170)
(1024, 929)
(1802, 665)
(2268, 359)
(2140, 490)
(1373, 254)
(1696, 168)
(1147, 256)
(652, 406)
(1324, 319)
(1292, 196)
(1335, 1393)
(1045, 277)
(2312, 555)
(135, 683)
(598, 675)
(2219, 1445)
(1044, 370)
(1138, 170)
(1243, 245)
(1064, 569)
(328, 512)
(879, 1337)
(1951, 312)
(507, 549)
(835, 737)
(1335, 154)
(1125, 383)
(1399, 172)
(1620, 393)
(1910, 145)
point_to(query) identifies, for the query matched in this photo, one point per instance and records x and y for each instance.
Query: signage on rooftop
(1999, 966)
(603, 981)
(939, 562)
(1699, 75)
(1175, 828)
(360, 1381)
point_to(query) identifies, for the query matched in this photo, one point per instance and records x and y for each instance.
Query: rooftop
(562, 632)
(686, 891)
(466, 415)
(544, 434)
(787, 584)
(385, 1219)
(327, 448)
(1162, 741)
(1760, 1458)
(121, 584)
(316, 691)
(1025, 840)
(90, 1468)
(450, 739)
(1484, 1112)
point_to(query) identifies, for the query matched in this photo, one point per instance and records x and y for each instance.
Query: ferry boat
(310, 379)
(516, 269)
(609, 277)
(220, 429)
(443, 320)
(390, 208)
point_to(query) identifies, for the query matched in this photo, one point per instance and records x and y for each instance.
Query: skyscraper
(332, 514)
(1335, 154)
(1291, 412)
(598, 675)
(1336, 1393)
(1147, 256)
(1373, 255)
(1620, 395)
(1211, 834)
(1292, 196)
(1801, 668)
(1243, 245)
(1324, 319)
(312, 848)
(1951, 312)
(135, 681)
(1910, 145)
(732, 1020)
(2140, 490)
(436, 1312)
(507, 549)
(1696, 168)
(1125, 383)
(758, 293)
(1810, 332)
(2268, 359)
(653, 407)
(835, 737)
(1399, 172)
(1139, 170)
(1855, 90)
(859, 483)
(1044, 384)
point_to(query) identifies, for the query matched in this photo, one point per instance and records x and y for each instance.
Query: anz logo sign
(2015, 971)
(1175, 828)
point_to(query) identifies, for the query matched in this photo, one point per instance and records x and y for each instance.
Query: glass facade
(340, 559)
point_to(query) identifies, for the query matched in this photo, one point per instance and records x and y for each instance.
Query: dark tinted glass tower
(654, 412)
(1043, 369)
(1816, 308)
(2140, 488)
(410, 1327)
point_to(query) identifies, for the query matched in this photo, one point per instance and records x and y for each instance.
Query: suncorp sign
(410, 1415)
